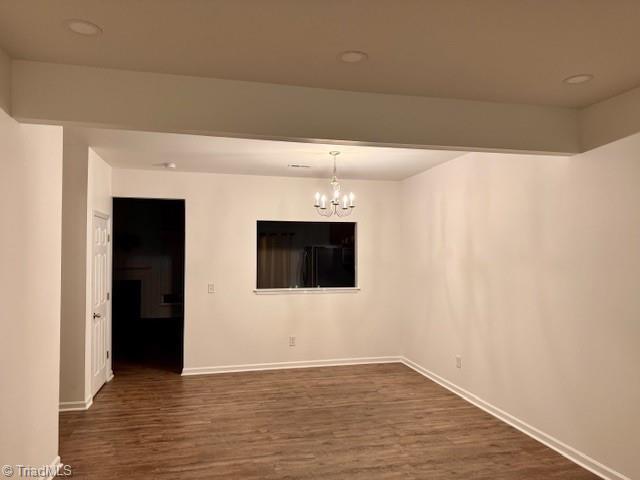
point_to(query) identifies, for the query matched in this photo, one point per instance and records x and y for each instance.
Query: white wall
(528, 267)
(86, 188)
(99, 200)
(102, 97)
(99, 185)
(74, 270)
(235, 326)
(30, 211)
(609, 120)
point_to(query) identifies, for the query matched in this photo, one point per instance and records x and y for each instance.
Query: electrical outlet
(292, 341)
(458, 361)
(211, 288)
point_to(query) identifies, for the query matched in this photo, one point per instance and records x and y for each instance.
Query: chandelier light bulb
(317, 204)
(352, 199)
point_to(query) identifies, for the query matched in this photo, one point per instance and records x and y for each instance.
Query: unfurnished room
(296, 239)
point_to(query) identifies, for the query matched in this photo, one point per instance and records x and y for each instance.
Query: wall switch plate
(211, 288)
(292, 341)
(458, 361)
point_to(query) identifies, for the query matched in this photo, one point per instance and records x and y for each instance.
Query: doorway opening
(148, 283)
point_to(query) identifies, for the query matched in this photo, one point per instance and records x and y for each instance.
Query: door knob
(97, 315)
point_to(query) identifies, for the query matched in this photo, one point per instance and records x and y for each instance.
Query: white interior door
(99, 302)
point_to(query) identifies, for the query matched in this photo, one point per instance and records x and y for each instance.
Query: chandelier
(336, 205)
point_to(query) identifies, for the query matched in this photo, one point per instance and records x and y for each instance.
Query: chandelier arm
(325, 212)
(342, 212)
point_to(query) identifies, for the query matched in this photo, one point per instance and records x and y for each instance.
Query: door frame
(108, 340)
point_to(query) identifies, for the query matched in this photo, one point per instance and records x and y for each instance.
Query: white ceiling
(195, 153)
(501, 50)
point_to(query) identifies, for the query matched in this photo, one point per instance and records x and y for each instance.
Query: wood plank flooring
(352, 422)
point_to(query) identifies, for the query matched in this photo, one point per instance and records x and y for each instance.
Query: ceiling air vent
(298, 165)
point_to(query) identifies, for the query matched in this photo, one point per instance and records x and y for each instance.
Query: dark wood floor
(354, 422)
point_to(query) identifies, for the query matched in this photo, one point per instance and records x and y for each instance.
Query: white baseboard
(75, 406)
(565, 450)
(562, 448)
(110, 376)
(283, 365)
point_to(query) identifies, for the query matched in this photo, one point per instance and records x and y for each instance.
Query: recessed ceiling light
(578, 79)
(83, 27)
(353, 56)
(169, 165)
